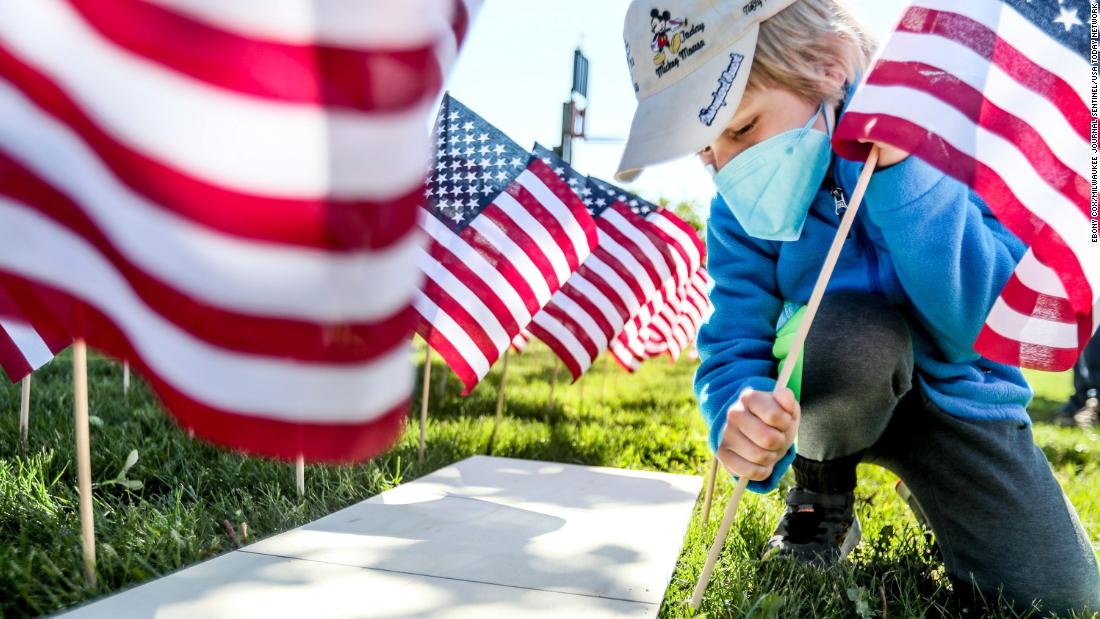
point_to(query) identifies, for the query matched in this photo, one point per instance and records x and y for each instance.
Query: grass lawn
(649, 421)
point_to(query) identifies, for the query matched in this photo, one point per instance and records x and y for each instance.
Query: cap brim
(668, 125)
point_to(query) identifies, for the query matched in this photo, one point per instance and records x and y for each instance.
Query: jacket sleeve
(950, 253)
(735, 343)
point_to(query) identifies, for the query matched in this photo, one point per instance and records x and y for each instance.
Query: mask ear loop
(813, 119)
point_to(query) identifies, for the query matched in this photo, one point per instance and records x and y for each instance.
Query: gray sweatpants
(1000, 518)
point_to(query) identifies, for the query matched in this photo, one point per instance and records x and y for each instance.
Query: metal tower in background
(573, 110)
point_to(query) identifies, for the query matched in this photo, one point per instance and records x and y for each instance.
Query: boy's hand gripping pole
(789, 363)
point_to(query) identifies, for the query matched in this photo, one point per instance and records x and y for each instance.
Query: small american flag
(996, 94)
(699, 300)
(668, 324)
(25, 347)
(648, 333)
(689, 250)
(631, 263)
(674, 329)
(226, 195)
(628, 347)
(505, 234)
(657, 320)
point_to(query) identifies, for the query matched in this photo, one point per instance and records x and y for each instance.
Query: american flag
(996, 94)
(674, 329)
(505, 234)
(226, 195)
(25, 347)
(689, 250)
(628, 348)
(657, 317)
(631, 262)
(648, 333)
(668, 324)
(698, 299)
(664, 334)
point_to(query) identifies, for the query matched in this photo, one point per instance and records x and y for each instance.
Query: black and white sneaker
(816, 528)
(1064, 419)
(1089, 415)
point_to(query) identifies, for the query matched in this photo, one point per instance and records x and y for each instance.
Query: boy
(890, 375)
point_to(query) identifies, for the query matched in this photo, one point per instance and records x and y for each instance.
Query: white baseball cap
(689, 61)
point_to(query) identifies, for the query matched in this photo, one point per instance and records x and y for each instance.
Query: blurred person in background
(1083, 407)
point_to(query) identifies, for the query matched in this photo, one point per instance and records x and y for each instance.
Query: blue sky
(516, 70)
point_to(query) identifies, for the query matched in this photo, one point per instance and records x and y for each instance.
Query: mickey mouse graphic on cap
(662, 25)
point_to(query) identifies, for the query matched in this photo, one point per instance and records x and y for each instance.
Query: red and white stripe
(485, 283)
(636, 261)
(628, 347)
(673, 328)
(645, 336)
(683, 317)
(23, 349)
(226, 195)
(631, 263)
(668, 324)
(521, 340)
(1033, 324)
(982, 93)
(651, 322)
(660, 330)
(664, 334)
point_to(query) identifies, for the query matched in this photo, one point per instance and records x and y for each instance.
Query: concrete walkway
(484, 537)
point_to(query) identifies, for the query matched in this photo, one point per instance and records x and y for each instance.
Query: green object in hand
(784, 339)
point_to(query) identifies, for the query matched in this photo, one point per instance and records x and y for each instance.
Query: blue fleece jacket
(921, 240)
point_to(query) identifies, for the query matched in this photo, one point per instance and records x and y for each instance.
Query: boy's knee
(858, 365)
(859, 345)
(857, 334)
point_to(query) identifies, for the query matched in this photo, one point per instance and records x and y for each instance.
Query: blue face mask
(770, 186)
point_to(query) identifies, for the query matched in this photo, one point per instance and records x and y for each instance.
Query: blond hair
(796, 42)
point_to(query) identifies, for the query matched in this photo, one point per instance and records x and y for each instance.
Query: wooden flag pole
(709, 496)
(500, 392)
(25, 413)
(125, 378)
(791, 361)
(424, 392)
(300, 475)
(83, 457)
